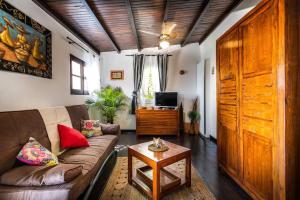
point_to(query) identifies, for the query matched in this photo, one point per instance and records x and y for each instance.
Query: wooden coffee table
(158, 161)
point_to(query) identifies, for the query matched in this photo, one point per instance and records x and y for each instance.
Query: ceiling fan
(165, 35)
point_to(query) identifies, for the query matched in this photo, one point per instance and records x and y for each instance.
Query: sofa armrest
(110, 129)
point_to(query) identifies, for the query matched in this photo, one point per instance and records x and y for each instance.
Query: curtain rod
(73, 42)
(150, 55)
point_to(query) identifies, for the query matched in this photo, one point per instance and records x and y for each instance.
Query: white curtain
(150, 83)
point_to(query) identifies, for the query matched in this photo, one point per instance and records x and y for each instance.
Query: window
(78, 78)
(150, 82)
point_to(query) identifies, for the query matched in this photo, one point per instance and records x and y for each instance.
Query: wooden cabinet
(157, 122)
(252, 67)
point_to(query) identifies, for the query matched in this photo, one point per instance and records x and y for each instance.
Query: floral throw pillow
(90, 128)
(33, 153)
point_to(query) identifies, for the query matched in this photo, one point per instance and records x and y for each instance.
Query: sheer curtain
(150, 83)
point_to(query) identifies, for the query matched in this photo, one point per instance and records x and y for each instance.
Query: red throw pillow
(71, 138)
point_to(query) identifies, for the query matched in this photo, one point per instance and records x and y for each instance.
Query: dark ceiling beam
(195, 25)
(54, 15)
(100, 25)
(167, 7)
(132, 24)
(220, 19)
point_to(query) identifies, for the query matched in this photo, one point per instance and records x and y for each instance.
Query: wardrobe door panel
(258, 97)
(229, 56)
(258, 165)
(257, 105)
(258, 43)
(222, 149)
(228, 135)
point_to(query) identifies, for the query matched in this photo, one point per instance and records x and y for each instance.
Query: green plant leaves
(194, 116)
(108, 100)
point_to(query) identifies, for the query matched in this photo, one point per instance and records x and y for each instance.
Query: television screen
(166, 99)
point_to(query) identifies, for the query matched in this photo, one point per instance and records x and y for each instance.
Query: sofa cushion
(16, 128)
(90, 128)
(52, 117)
(33, 153)
(111, 129)
(78, 113)
(100, 147)
(71, 138)
(41, 175)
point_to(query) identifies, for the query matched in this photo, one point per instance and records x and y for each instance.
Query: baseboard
(213, 139)
(202, 136)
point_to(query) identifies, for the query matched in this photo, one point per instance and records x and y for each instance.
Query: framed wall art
(25, 45)
(117, 75)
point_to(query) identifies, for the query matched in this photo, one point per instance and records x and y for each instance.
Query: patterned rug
(117, 187)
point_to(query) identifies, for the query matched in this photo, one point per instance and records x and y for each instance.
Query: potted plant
(194, 116)
(109, 100)
(149, 94)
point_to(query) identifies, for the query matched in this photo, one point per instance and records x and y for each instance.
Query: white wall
(200, 92)
(114, 61)
(21, 91)
(183, 59)
(208, 51)
(186, 59)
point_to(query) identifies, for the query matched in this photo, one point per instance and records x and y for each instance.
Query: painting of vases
(25, 45)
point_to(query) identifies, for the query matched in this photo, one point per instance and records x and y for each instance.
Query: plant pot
(191, 129)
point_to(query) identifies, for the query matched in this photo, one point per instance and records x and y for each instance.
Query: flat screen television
(166, 99)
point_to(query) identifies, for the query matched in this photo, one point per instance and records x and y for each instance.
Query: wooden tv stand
(157, 122)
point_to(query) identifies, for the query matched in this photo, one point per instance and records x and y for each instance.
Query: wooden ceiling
(114, 25)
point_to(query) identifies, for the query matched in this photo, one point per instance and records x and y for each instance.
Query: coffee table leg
(129, 168)
(156, 183)
(188, 171)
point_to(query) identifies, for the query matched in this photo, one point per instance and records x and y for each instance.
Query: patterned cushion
(33, 153)
(91, 128)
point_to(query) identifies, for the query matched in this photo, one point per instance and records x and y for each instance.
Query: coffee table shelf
(167, 179)
(142, 186)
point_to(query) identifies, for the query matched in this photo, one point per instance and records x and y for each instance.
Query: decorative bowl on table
(158, 145)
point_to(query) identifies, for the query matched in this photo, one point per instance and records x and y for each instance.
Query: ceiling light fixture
(164, 44)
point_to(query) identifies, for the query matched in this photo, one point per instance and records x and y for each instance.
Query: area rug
(117, 187)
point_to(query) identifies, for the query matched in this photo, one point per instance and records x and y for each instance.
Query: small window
(78, 78)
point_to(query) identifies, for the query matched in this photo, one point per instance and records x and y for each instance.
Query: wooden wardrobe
(258, 100)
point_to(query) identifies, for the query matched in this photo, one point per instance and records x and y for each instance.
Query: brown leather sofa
(15, 129)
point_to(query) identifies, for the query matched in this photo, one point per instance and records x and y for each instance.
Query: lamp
(164, 44)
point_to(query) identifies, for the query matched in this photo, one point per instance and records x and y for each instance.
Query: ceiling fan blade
(149, 32)
(172, 28)
(167, 27)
